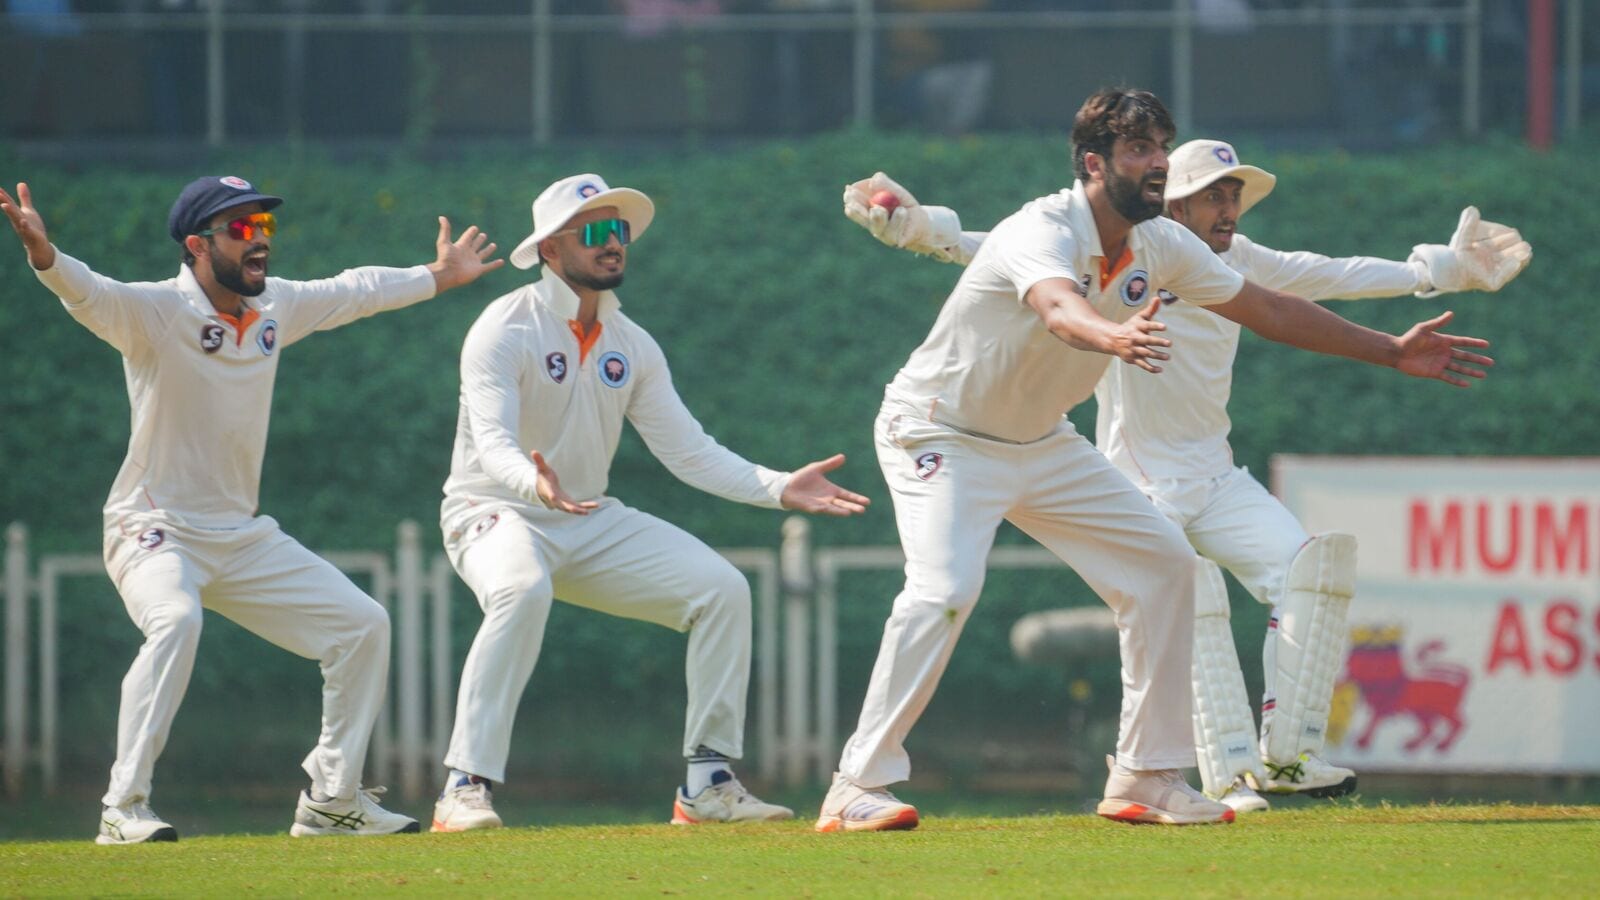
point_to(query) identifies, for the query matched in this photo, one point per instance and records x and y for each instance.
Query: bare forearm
(1300, 323)
(1082, 331)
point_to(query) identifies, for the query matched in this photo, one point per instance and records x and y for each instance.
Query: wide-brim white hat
(559, 202)
(1197, 164)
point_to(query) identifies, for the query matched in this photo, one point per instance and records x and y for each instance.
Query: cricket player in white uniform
(1169, 435)
(548, 374)
(973, 431)
(200, 352)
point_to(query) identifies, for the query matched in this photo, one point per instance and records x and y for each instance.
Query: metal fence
(533, 58)
(413, 729)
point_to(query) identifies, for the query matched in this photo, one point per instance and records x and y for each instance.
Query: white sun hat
(559, 202)
(1196, 164)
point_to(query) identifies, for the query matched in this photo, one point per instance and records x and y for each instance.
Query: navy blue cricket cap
(205, 197)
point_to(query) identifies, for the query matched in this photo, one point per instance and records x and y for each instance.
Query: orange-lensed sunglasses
(244, 228)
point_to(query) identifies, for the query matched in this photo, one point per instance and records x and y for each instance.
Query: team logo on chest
(152, 539)
(614, 369)
(928, 464)
(211, 337)
(1167, 296)
(1134, 289)
(267, 337)
(555, 365)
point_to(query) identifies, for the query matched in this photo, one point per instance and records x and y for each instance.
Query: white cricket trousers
(615, 560)
(1236, 523)
(263, 580)
(951, 491)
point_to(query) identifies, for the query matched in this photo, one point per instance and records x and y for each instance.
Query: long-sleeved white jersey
(528, 383)
(1174, 425)
(200, 383)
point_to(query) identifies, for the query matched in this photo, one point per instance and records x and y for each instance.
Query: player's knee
(175, 622)
(730, 591)
(953, 595)
(521, 597)
(370, 619)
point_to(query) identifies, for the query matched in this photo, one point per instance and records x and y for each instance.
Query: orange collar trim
(240, 324)
(1123, 262)
(586, 340)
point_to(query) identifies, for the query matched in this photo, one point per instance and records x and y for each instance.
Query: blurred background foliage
(782, 322)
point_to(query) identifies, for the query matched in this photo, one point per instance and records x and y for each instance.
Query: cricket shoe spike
(134, 823)
(1310, 775)
(356, 815)
(1157, 797)
(1241, 798)
(726, 800)
(465, 806)
(850, 807)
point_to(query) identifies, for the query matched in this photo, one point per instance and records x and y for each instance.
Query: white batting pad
(1310, 645)
(1224, 732)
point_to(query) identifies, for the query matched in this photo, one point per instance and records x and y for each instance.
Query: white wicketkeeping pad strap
(1224, 732)
(1311, 640)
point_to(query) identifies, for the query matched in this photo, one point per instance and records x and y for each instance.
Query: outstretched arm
(463, 260)
(929, 230)
(1422, 351)
(1481, 256)
(29, 226)
(809, 490)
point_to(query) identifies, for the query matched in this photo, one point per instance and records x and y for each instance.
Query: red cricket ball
(885, 199)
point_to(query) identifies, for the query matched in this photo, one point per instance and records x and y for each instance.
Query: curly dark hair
(1110, 113)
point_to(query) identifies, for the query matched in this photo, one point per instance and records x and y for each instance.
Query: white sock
(703, 767)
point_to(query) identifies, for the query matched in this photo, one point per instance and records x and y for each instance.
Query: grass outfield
(1357, 851)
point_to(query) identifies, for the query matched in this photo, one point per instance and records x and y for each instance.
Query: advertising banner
(1475, 629)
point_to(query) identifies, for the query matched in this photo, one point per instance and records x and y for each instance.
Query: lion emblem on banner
(1429, 690)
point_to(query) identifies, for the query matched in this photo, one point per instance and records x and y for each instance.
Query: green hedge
(782, 321)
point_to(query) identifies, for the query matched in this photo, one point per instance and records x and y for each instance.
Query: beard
(230, 274)
(1127, 197)
(595, 282)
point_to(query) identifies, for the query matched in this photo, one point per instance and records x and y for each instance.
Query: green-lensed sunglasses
(594, 234)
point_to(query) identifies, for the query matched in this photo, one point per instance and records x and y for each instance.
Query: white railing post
(442, 665)
(216, 76)
(826, 743)
(16, 669)
(408, 647)
(866, 36)
(794, 564)
(1183, 66)
(1472, 68)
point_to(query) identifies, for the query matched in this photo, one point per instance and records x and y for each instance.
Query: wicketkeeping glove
(1481, 256)
(931, 230)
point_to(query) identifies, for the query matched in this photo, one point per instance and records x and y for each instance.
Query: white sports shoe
(360, 814)
(464, 808)
(1310, 775)
(850, 807)
(1241, 798)
(135, 823)
(725, 800)
(1157, 797)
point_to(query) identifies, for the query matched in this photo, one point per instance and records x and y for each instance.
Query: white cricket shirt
(990, 366)
(200, 383)
(1174, 425)
(527, 385)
